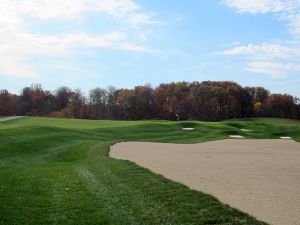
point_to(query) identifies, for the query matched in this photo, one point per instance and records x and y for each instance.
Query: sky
(124, 43)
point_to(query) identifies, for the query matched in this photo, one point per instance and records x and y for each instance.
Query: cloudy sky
(90, 43)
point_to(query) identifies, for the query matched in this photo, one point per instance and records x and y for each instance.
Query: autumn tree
(9, 103)
(208, 100)
(279, 105)
(97, 102)
(258, 97)
(111, 103)
(62, 97)
(34, 101)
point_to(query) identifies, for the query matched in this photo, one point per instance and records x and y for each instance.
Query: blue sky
(91, 43)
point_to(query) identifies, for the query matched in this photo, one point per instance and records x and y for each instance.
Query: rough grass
(57, 171)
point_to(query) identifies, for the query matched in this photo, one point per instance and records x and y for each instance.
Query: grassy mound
(57, 171)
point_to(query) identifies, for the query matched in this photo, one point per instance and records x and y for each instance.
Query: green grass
(57, 171)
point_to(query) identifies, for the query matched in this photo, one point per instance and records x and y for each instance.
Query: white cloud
(17, 42)
(67, 10)
(140, 18)
(275, 69)
(272, 59)
(264, 51)
(295, 25)
(276, 60)
(15, 67)
(134, 48)
(258, 6)
(32, 44)
(287, 10)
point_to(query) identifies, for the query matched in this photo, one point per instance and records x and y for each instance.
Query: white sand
(246, 130)
(236, 136)
(286, 138)
(188, 129)
(260, 177)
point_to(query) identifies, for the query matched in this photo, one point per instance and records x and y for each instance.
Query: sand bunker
(246, 130)
(188, 129)
(286, 138)
(236, 136)
(260, 177)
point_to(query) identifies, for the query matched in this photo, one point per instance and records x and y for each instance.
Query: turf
(57, 171)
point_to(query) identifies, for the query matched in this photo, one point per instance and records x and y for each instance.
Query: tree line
(208, 100)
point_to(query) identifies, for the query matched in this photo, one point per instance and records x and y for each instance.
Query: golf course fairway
(58, 171)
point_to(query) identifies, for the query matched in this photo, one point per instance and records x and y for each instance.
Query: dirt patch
(260, 177)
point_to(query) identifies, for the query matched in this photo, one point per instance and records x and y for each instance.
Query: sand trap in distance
(246, 130)
(236, 136)
(286, 138)
(188, 129)
(260, 177)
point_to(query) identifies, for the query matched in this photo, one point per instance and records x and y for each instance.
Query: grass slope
(57, 171)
